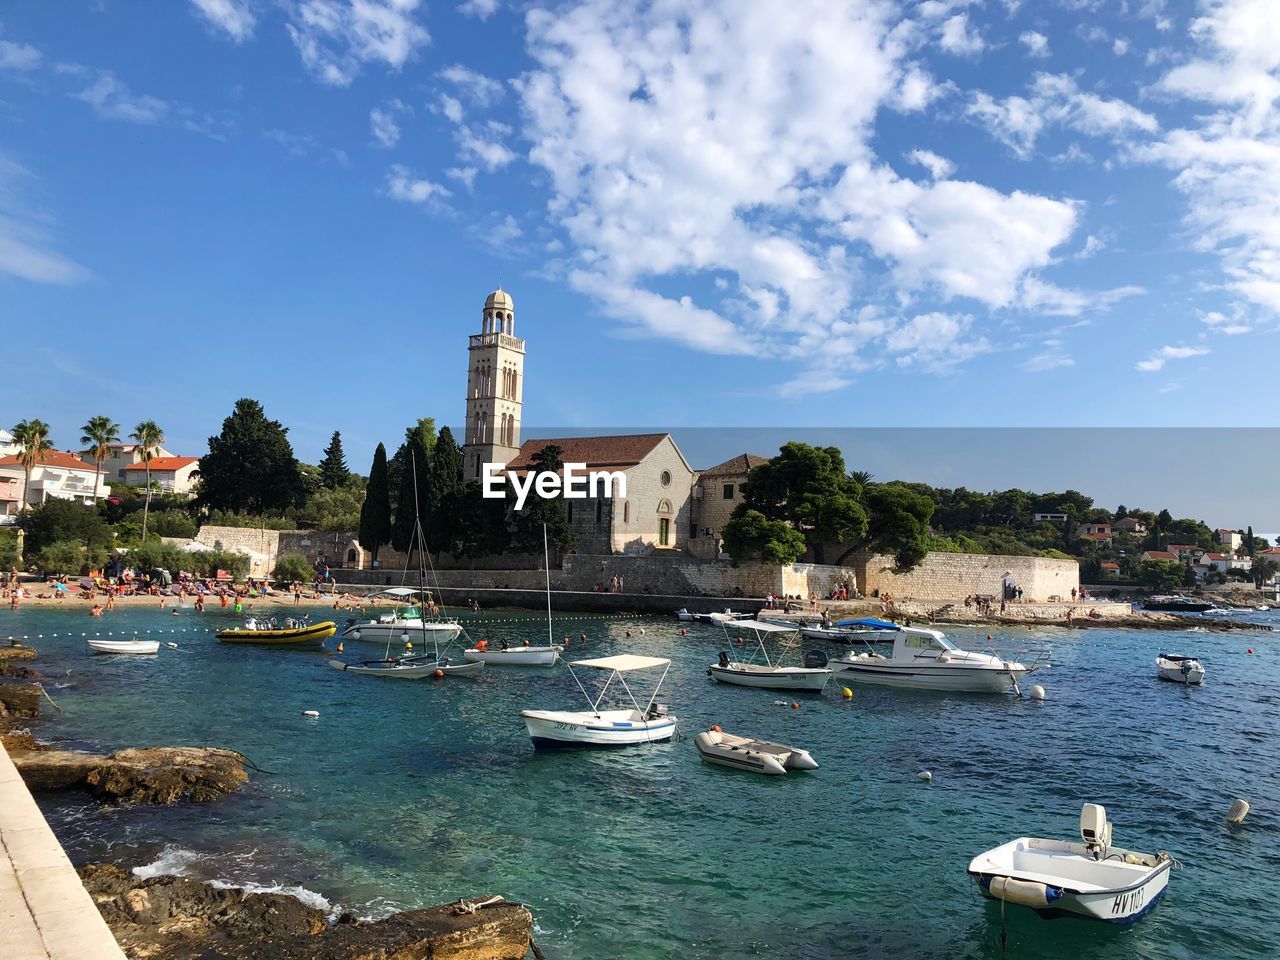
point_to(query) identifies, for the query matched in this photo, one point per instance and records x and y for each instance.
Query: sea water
(406, 794)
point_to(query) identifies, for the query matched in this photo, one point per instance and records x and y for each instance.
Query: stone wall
(954, 576)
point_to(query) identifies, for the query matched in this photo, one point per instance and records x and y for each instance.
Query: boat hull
(394, 633)
(778, 678)
(609, 728)
(411, 671)
(142, 648)
(752, 756)
(956, 679)
(1172, 671)
(516, 656)
(316, 633)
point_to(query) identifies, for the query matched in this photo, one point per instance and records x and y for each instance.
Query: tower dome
(499, 300)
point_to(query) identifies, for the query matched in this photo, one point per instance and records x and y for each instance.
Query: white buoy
(311, 713)
(1239, 810)
(172, 646)
(925, 776)
(1037, 692)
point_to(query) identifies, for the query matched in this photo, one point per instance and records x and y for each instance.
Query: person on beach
(111, 599)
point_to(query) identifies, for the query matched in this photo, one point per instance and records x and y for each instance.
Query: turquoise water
(406, 794)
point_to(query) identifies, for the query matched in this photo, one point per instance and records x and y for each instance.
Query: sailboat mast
(546, 563)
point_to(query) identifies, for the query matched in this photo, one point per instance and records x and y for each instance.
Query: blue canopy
(870, 623)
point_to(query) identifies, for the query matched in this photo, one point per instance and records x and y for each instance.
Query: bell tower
(495, 384)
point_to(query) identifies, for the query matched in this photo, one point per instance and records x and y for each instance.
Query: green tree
(57, 520)
(897, 523)
(808, 488)
(70, 557)
(408, 509)
(1263, 571)
(483, 523)
(173, 523)
(293, 568)
(333, 468)
(1162, 576)
(33, 437)
(527, 523)
(375, 512)
(148, 436)
(99, 433)
(750, 535)
(331, 509)
(445, 471)
(250, 466)
(424, 430)
(9, 557)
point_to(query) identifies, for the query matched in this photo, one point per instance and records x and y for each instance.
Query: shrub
(57, 521)
(8, 550)
(172, 523)
(293, 568)
(68, 556)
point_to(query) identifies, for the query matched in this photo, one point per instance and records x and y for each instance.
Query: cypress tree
(333, 468)
(444, 531)
(375, 514)
(250, 466)
(409, 500)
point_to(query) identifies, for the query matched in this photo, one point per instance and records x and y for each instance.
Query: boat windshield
(927, 640)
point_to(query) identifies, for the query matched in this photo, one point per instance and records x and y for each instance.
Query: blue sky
(709, 214)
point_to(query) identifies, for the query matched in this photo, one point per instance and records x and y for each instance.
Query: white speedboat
(135, 646)
(845, 631)
(597, 727)
(1179, 669)
(522, 655)
(924, 659)
(767, 674)
(1089, 879)
(684, 616)
(725, 616)
(405, 619)
(408, 668)
(756, 756)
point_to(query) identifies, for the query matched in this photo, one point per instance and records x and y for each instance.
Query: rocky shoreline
(177, 918)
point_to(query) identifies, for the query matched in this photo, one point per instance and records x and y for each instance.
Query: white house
(59, 475)
(121, 456)
(8, 446)
(169, 474)
(1229, 539)
(1048, 518)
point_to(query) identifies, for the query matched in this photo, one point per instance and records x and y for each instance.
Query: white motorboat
(684, 616)
(925, 659)
(725, 616)
(135, 646)
(757, 756)
(405, 618)
(408, 668)
(845, 631)
(1179, 669)
(770, 675)
(597, 727)
(522, 655)
(1089, 879)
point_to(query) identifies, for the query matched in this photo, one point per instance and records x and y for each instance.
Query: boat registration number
(1127, 903)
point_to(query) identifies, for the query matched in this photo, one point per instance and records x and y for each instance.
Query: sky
(709, 214)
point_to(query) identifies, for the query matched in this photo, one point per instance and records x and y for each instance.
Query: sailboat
(770, 675)
(526, 655)
(411, 667)
(407, 615)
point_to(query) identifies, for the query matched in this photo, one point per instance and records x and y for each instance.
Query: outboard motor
(724, 658)
(815, 659)
(657, 710)
(1095, 829)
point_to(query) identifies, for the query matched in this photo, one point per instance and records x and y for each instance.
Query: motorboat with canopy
(924, 659)
(599, 727)
(1088, 879)
(755, 756)
(407, 615)
(845, 631)
(525, 655)
(1179, 669)
(771, 674)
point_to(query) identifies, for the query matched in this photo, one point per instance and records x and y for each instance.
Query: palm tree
(148, 437)
(33, 435)
(101, 432)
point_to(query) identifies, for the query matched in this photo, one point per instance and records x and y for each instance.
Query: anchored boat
(605, 728)
(407, 616)
(522, 655)
(771, 675)
(408, 668)
(1089, 879)
(1179, 669)
(135, 646)
(924, 659)
(265, 631)
(756, 756)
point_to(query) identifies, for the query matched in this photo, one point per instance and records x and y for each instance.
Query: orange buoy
(795, 706)
(715, 728)
(439, 673)
(339, 646)
(1251, 649)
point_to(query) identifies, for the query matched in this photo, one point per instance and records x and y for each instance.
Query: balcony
(497, 340)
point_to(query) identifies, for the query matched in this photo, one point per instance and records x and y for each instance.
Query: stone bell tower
(495, 384)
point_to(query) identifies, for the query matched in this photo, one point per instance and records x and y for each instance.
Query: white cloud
(18, 56)
(485, 146)
(1157, 358)
(939, 167)
(113, 100)
(916, 90)
(1120, 47)
(450, 107)
(1056, 99)
(402, 185)
(464, 175)
(1037, 44)
(336, 38)
(1221, 323)
(959, 37)
(1048, 360)
(935, 341)
(480, 9)
(479, 89)
(235, 17)
(1092, 244)
(383, 126)
(26, 248)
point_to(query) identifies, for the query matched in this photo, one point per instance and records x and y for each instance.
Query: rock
(11, 660)
(154, 775)
(175, 918)
(16, 655)
(20, 700)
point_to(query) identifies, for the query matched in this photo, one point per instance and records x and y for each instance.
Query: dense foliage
(250, 465)
(375, 512)
(293, 568)
(527, 524)
(333, 468)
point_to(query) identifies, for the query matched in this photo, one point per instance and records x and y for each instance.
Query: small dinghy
(1089, 879)
(408, 668)
(757, 756)
(136, 646)
(1179, 669)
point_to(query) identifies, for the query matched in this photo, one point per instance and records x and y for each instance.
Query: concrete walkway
(45, 912)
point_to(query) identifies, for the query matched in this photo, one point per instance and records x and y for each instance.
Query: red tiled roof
(164, 463)
(1096, 536)
(53, 458)
(624, 450)
(1160, 555)
(1110, 565)
(1215, 556)
(740, 465)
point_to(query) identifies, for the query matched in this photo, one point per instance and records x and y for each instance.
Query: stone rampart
(954, 576)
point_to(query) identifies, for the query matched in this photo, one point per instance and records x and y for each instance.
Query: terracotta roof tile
(164, 463)
(740, 465)
(52, 458)
(623, 450)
